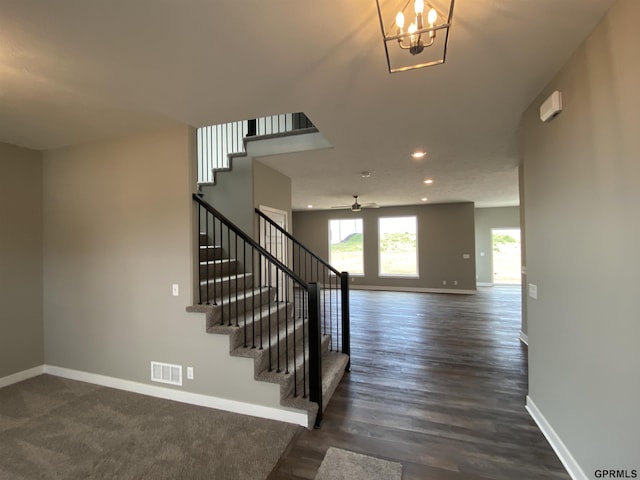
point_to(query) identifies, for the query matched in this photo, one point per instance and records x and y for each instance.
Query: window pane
(398, 246)
(345, 246)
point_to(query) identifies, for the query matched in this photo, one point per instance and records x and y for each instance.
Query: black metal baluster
(268, 272)
(286, 325)
(221, 277)
(229, 276)
(244, 280)
(214, 260)
(253, 298)
(278, 317)
(305, 353)
(207, 264)
(237, 270)
(262, 263)
(199, 250)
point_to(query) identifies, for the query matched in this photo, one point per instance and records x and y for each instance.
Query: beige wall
(485, 220)
(582, 227)
(232, 195)
(117, 234)
(271, 189)
(248, 185)
(445, 233)
(21, 328)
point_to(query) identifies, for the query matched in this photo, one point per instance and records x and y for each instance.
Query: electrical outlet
(190, 373)
(444, 282)
(455, 282)
(175, 289)
(533, 290)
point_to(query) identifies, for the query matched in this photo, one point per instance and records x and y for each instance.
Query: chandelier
(415, 33)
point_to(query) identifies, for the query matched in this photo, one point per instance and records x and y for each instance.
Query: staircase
(270, 315)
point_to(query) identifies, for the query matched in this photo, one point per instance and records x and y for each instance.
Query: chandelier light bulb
(432, 16)
(419, 7)
(400, 20)
(412, 30)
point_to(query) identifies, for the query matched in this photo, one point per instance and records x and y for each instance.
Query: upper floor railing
(217, 143)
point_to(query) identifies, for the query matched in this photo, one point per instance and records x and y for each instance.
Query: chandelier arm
(402, 36)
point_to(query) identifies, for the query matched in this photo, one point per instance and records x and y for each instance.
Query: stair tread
(218, 261)
(333, 369)
(204, 308)
(283, 378)
(249, 351)
(225, 277)
(260, 312)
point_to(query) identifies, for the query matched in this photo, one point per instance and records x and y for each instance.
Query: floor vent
(166, 373)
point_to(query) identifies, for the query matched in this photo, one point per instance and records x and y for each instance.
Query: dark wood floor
(438, 383)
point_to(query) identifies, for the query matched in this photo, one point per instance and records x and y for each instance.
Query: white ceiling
(73, 71)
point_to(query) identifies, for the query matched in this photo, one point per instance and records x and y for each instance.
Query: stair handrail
(238, 231)
(344, 284)
(297, 242)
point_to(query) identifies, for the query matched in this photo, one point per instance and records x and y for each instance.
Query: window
(398, 247)
(345, 246)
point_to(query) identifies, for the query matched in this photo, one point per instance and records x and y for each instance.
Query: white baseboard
(484, 284)
(570, 464)
(21, 376)
(288, 416)
(412, 289)
(524, 338)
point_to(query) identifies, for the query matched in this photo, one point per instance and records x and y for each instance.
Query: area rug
(341, 464)
(52, 428)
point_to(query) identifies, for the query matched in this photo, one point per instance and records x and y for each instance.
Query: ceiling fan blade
(341, 207)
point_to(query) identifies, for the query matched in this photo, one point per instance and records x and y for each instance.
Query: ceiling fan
(356, 207)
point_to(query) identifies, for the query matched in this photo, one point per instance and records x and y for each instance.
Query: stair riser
(294, 342)
(225, 285)
(218, 269)
(228, 312)
(212, 253)
(287, 381)
(286, 388)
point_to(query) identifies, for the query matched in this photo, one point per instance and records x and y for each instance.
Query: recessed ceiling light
(429, 181)
(365, 174)
(418, 154)
(309, 206)
(424, 199)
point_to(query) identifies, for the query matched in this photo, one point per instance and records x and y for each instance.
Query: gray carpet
(53, 428)
(341, 464)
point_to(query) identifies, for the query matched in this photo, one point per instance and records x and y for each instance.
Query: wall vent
(166, 373)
